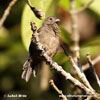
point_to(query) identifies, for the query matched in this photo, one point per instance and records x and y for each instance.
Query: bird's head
(51, 20)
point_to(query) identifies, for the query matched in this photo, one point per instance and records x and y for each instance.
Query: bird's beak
(57, 21)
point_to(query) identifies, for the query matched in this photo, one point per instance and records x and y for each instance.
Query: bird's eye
(50, 18)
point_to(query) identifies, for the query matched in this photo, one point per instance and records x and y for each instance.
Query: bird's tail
(27, 70)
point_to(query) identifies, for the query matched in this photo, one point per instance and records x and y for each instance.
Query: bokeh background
(14, 49)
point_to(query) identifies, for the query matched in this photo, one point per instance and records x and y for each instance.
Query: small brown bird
(49, 38)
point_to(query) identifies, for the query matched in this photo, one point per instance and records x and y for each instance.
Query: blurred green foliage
(94, 6)
(92, 46)
(15, 37)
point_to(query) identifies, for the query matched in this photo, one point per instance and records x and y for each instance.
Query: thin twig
(57, 90)
(75, 33)
(91, 65)
(94, 61)
(6, 12)
(85, 6)
(75, 47)
(80, 74)
(38, 12)
(86, 66)
(78, 69)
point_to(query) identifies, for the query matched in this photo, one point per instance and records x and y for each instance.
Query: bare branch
(75, 47)
(94, 61)
(78, 69)
(91, 66)
(58, 68)
(75, 33)
(6, 12)
(57, 90)
(38, 13)
(80, 74)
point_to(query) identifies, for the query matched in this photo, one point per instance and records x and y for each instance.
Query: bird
(48, 34)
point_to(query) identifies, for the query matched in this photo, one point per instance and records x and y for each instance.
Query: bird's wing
(49, 40)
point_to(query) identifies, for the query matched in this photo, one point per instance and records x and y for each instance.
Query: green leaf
(95, 6)
(78, 4)
(65, 4)
(48, 6)
(65, 36)
(92, 47)
(62, 60)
